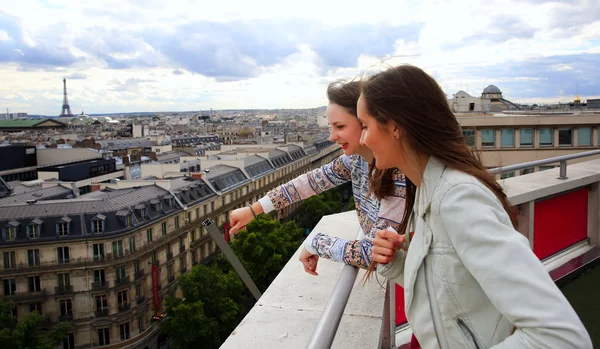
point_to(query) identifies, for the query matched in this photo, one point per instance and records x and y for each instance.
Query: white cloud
(286, 53)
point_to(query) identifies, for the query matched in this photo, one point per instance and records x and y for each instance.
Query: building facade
(93, 259)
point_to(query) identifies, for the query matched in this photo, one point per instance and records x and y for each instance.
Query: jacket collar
(431, 177)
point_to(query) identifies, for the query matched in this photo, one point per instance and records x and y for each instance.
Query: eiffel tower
(66, 109)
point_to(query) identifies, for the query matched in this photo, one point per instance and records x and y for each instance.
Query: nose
(362, 138)
(332, 135)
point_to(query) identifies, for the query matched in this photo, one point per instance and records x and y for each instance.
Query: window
(97, 226)
(124, 331)
(9, 260)
(205, 210)
(154, 257)
(122, 298)
(565, 136)
(164, 228)
(158, 207)
(176, 222)
(132, 244)
(63, 228)
(170, 274)
(10, 287)
(488, 138)
(9, 233)
(198, 213)
(193, 235)
(120, 273)
(98, 252)
(69, 341)
(212, 206)
(99, 277)
(526, 137)
(35, 307)
(584, 136)
(101, 302)
(34, 284)
(181, 244)
(63, 254)
(66, 308)
(507, 138)
(129, 220)
(469, 137)
(149, 235)
(103, 336)
(63, 281)
(141, 324)
(33, 257)
(546, 137)
(33, 231)
(117, 248)
(138, 291)
(189, 217)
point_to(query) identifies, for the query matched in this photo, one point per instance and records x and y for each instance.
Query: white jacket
(470, 278)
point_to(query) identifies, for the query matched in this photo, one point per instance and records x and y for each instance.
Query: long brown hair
(345, 94)
(415, 102)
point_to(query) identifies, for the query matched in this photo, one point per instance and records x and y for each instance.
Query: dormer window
(143, 211)
(63, 227)
(156, 204)
(126, 217)
(9, 233)
(169, 200)
(98, 223)
(33, 229)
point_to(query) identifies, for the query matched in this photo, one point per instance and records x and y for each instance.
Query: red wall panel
(560, 222)
(400, 316)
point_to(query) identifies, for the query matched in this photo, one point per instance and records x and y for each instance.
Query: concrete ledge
(289, 309)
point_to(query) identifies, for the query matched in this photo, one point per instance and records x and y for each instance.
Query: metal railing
(326, 329)
(561, 159)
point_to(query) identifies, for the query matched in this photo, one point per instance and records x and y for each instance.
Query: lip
(344, 146)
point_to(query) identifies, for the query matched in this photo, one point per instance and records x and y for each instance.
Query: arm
(507, 270)
(312, 183)
(359, 252)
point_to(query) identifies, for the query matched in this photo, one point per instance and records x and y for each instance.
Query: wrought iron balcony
(169, 255)
(140, 300)
(122, 281)
(27, 296)
(101, 312)
(124, 307)
(140, 274)
(181, 248)
(66, 317)
(101, 285)
(64, 289)
(171, 278)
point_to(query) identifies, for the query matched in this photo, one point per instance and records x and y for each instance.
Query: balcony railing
(101, 312)
(65, 289)
(169, 255)
(27, 296)
(181, 249)
(140, 300)
(101, 285)
(66, 317)
(124, 307)
(140, 274)
(171, 278)
(122, 281)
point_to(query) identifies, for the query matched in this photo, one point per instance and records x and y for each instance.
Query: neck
(366, 154)
(415, 169)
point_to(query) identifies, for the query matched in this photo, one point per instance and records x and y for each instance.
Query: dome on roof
(491, 89)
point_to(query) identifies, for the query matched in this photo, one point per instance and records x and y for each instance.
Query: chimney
(95, 186)
(197, 175)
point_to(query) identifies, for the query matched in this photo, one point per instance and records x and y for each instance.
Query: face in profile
(380, 138)
(345, 128)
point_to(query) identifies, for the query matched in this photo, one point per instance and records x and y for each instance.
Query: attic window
(98, 223)
(143, 210)
(33, 229)
(63, 227)
(9, 233)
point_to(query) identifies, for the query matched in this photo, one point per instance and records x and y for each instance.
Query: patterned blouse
(373, 214)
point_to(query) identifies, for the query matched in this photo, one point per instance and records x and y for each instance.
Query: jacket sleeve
(359, 252)
(312, 183)
(510, 274)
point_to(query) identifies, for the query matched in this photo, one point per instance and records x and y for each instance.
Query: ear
(394, 129)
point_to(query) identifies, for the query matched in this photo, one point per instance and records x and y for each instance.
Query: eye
(340, 127)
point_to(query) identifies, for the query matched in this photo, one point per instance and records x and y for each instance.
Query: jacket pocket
(468, 334)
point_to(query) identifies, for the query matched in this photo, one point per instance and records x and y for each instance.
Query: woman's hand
(309, 261)
(385, 245)
(238, 219)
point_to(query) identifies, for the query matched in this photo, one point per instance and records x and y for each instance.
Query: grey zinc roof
(111, 201)
(253, 159)
(54, 192)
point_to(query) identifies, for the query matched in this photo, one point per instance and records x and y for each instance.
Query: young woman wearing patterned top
(374, 212)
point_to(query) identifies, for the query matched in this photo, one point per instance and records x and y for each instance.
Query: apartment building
(106, 260)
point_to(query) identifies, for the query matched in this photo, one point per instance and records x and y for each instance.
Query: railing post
(563, 170)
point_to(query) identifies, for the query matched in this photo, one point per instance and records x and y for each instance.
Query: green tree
(209, 311)
(265, 247)
(26, 334)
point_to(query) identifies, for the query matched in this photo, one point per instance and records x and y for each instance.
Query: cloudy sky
(150, 55)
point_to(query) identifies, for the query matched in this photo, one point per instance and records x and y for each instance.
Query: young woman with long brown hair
(470, 278)
(374, 212)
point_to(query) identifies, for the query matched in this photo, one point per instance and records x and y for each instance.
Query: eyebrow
(335, 123)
